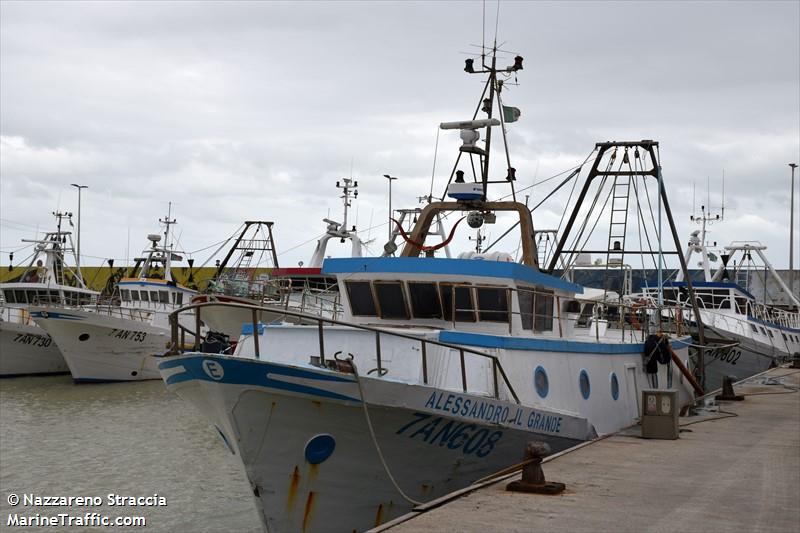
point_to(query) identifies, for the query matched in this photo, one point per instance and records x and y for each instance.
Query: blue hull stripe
(57, 316)
(244, 372)
(454, 267)
(544, 345)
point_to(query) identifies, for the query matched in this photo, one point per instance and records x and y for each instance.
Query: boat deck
(736, 470)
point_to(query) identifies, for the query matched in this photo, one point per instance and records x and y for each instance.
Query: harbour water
(127, 439)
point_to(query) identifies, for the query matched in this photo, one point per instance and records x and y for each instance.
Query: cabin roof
(441, 266)
(710, 285)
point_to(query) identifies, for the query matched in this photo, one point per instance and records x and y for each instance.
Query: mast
(168, 221)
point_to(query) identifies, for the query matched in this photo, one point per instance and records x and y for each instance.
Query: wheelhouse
(25, 294)
(479, 295)
(152, 293)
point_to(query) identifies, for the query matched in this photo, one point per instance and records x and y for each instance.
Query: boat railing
(179, 335)
(573, 314)
(15, 315)
(129, 313)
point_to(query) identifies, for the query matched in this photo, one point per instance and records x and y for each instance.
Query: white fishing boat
(763, 334)
(438, 373)
(117, 341)
(25, 348)
(302, 289)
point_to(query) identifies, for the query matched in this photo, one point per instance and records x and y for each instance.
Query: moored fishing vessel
(116, 341)
(25, 348)
(302, 289)
(437, 374)
(764, 335)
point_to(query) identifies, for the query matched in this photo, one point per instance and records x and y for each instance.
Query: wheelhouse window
(391, 299)
(126, 295)
(135, 296)
(360, 295)
(461, 300)
(755, 329)
(526, 308)
(543, 311)
(425, 301)
(20, 296)
(163, 297)
(9, 297)
(179, 300)
(492, 304)
(154, 297)
(144, 296)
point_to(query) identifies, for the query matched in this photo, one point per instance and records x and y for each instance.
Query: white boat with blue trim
(118, 341)
(438, 373)
(25, 348)
(764, 335)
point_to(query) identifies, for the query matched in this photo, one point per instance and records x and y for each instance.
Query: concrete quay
(735, 470)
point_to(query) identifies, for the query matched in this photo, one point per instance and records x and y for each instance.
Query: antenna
(723, 194)
(168, 221)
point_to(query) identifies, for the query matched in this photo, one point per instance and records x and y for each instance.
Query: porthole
(583, 381)
(319, 448)
(540, 382)
(83, 337)
(614, 386)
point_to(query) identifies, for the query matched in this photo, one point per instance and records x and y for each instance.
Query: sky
(253, 110)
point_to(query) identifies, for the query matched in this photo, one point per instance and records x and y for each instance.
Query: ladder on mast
(617, 229)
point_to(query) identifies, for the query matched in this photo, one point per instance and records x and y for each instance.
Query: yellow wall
(97, 277)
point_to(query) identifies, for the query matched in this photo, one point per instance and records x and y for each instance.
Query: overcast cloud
(238, 111)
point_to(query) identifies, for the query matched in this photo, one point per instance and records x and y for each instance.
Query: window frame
(547, 295)
(353, 282)
(506, 314)
(437, 297)
(454, 312)
(379, 308)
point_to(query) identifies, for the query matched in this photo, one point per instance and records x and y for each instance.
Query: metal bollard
(727, 391)
(532, 474)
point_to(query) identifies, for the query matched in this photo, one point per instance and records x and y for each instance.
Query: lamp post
(791, 235)
(390, 178)
(78, 252)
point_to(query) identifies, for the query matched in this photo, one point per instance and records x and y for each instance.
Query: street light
(791, 236)
(78, 252)
(390, 178)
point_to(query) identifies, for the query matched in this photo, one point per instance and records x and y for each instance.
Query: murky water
(129, 439)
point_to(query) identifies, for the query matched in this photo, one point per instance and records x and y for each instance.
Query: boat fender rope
(372, 433)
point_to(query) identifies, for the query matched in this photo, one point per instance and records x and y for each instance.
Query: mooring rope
(374, 438)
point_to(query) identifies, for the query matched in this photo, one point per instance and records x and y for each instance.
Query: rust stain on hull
(308, 510)
(379, 516)
(293, 484)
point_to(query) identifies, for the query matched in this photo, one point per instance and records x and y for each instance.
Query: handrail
(176, 348)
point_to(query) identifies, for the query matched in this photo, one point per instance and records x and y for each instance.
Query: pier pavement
(734, 470)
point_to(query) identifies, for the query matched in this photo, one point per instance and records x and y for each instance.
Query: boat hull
(99, 347)
(26, 349)
(750, 357)
(303, 439)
